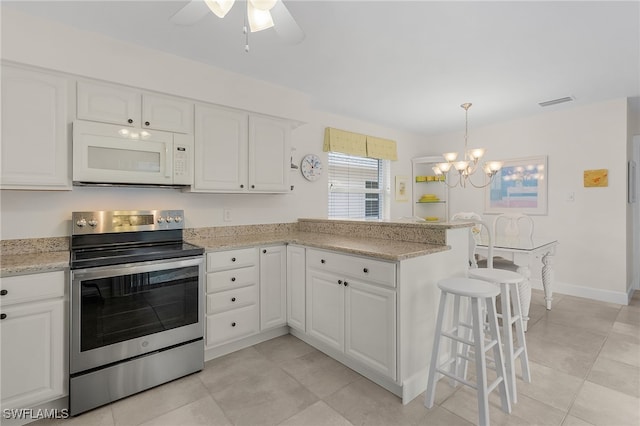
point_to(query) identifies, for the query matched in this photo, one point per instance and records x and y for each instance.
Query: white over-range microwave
(118, 155)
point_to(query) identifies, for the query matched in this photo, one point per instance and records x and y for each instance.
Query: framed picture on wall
(520, 186)
(402, 188)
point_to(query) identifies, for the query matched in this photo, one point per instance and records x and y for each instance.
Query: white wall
(591, 256)
(29, 214)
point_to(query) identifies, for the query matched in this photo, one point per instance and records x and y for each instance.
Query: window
(358, 187)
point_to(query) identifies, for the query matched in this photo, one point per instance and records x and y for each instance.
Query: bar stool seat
(510, 297)
(477, 292)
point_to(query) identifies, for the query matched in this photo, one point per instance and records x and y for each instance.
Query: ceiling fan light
(263, 4)
(220, 7)
(258, 19)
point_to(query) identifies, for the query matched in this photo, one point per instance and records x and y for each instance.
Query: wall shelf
(438, 208)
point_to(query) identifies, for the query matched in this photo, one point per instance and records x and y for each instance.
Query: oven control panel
(101, 222)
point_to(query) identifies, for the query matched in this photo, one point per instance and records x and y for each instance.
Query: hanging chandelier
(467, 167)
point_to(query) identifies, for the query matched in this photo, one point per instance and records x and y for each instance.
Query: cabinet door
(325, 308)
(269, 154)
(108, 104)
(296, 264)
(220, 149)
(36, 145)
(166, 113)
(370, 326)
(32, 361)
(273, 286)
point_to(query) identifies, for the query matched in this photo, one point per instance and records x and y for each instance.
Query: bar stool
(477, 292)
(510, 296)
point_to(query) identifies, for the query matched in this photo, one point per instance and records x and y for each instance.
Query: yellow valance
(383, 149)
(360, 145)
(337, 140)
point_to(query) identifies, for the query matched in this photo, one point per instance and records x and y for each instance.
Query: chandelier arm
(450, 186)
(481, 186)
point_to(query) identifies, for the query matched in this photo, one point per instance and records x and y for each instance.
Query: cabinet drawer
(232, 325)
(220, 260)
(26, 288)
(233, 278)
(369, 270)
(232, 299)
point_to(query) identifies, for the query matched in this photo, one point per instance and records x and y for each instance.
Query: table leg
(524, 288)
(547, 278)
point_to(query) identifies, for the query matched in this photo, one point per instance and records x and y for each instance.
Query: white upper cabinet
(269, 154)
(240, 152)
(166, 113)
(220, 149)
(35, 130)
(128, 107)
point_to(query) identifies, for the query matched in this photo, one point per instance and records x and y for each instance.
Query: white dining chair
(511, 308)
(511, 228)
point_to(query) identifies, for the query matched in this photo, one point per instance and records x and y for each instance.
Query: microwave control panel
(183, 160)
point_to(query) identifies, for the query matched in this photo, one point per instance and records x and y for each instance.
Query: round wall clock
(311, 167)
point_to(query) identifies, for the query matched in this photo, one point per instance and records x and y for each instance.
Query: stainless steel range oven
(136, 305)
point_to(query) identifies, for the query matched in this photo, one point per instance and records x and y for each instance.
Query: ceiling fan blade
(191, 13)
(285, 26)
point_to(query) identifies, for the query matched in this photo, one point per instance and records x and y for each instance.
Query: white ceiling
(404, 64)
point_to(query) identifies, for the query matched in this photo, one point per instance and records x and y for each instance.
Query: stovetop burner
(120, 237)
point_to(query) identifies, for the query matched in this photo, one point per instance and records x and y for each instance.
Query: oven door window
(116, 309)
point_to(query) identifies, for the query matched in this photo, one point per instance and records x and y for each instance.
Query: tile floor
(584, 357)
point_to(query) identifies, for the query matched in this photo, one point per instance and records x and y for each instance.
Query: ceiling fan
(261, 15)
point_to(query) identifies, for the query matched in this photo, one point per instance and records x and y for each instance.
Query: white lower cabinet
(351, 314)
(33, 339)
(273, 286)
(232, 310)
(296, 291)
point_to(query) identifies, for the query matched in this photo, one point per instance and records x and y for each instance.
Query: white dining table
(523, 252)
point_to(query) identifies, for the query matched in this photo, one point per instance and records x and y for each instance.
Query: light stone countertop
(373, 247)
(33, 263)
(394, 241)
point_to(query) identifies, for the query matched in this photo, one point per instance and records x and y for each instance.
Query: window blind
(358, 186)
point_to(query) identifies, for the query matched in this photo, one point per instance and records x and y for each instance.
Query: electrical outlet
(226, 215)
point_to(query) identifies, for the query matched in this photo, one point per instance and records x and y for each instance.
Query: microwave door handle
(168, 162)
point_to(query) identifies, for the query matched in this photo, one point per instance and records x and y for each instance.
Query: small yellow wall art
(402, 188)
(596, 178)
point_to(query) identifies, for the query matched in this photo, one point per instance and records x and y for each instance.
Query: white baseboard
(619, 297)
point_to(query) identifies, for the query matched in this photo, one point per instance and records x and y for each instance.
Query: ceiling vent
(556, 101)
